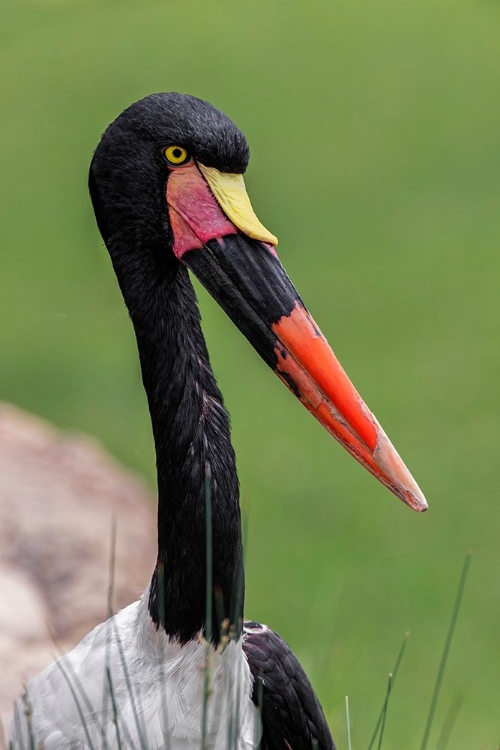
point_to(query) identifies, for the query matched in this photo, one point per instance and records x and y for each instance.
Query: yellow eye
(176, 155)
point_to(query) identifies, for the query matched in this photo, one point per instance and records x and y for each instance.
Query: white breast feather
(158, 688)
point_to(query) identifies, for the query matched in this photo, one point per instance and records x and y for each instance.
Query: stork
(166, 183)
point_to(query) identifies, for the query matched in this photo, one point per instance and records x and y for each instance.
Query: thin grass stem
(236, 619)
(161, 659)
(3, 743)
(348, 723)
(112, 567)
(77, 703)
(230, 693)
(208, 604)
(110, 612)
(28, 713)
(234, 632)
(125, 729)
(236, 715)
(446, 651)
(384, 710)
(83, 693)
(258, 721)
(449, 721)
(209, 559)
(140, 729)
(115, 710)
(394, 673)
(17, 724)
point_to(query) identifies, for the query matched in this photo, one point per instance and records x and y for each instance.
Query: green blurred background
(374, 130)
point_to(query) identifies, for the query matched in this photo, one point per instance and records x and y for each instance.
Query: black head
(128, 172)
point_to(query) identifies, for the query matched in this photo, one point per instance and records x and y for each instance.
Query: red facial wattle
(195, 215)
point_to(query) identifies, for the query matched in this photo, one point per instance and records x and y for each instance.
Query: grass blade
(446, 651)
(112, 567)
(348, 723)
(110, 611)
(128, 684)
(449, 721)
(208, 603)
(383, 712)
(209, 561)
(115, 711)
(161, 653)
(72, 690)
(28, 713)
(3, 743)
(71, 674)
(236, 625)
(258, 722)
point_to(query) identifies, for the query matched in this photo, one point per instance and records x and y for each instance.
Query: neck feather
(192, 438)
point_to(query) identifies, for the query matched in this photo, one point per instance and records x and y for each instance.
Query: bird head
(167, 186)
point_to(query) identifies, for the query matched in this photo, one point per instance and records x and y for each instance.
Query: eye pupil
(177, 153)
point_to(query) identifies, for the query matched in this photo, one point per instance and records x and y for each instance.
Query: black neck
(192, 437)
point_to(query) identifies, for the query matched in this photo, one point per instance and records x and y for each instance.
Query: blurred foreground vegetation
(374, 129)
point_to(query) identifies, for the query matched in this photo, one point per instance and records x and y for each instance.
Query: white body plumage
(158, 687)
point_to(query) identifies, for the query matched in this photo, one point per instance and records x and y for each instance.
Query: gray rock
(59, 494)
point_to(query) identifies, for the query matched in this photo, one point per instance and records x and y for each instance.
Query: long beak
(238, 265)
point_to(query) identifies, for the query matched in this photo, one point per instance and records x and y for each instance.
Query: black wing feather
(292, 717)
